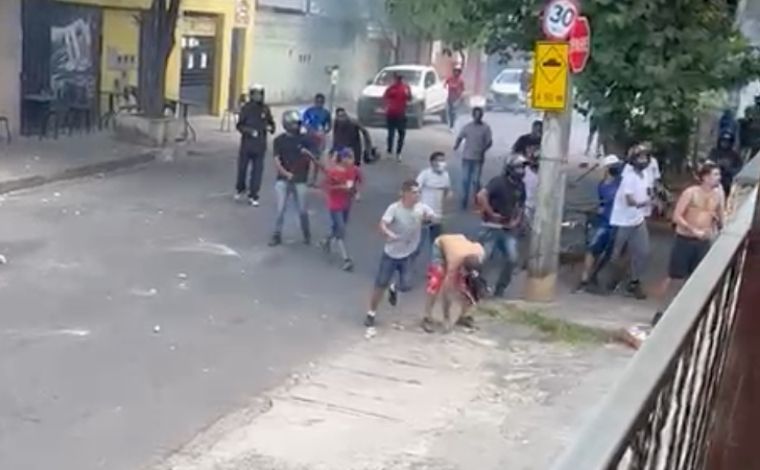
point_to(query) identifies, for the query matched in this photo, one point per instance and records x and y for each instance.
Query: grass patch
(553, 329)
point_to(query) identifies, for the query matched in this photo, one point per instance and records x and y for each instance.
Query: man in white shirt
(652, 174)
(629, 213)
(435, 187)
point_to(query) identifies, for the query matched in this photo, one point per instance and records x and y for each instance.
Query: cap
(610, 160)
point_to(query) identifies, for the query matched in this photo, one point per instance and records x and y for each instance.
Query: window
(429, 79)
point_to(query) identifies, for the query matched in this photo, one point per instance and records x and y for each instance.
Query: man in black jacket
(254, 123)
(347, 133)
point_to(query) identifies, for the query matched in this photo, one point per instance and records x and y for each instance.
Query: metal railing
(660, 415)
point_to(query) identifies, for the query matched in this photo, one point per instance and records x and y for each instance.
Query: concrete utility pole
(543, 263)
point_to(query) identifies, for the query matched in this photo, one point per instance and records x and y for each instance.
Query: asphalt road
(139, 308)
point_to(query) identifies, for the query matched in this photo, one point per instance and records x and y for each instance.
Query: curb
(108, 166)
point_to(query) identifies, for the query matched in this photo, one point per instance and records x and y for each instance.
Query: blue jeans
(471, 171)
(389, 266)
(284, 191)
(505, 241)
(451, 112)
(338, 222)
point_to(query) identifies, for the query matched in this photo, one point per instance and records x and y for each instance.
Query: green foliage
(651, 59)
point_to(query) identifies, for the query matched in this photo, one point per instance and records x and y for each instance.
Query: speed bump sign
(550, 72)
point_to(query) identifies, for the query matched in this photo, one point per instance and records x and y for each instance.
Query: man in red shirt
(455, 85)
(396, 98)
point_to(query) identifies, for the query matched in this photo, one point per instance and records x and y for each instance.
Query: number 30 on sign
(558, 19)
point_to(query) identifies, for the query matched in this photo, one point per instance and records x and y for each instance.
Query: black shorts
(686, 255)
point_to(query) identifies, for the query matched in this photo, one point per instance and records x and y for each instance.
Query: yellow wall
(119, 31)
(121, 35)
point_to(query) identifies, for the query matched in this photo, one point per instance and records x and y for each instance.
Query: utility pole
(543, 262)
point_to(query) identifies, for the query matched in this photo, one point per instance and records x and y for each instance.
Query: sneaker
(582, 286)
(398, 158)
(634, 289)
(239, 196)
(325, 245)
(254, 201)
(466, 321)
(392, 295)
(369, 321)
(276, 240)
(348, 266)
(428, 326)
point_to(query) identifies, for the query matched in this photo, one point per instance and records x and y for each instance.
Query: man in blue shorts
(602, 239)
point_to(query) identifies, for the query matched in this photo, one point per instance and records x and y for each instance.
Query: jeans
(284, 190)
(636, 239)
(429, 234)
(256, 162)
(506, 242)
(338, 222)
(451, 113)
(471, 171)
(389, 266)
(396, 124)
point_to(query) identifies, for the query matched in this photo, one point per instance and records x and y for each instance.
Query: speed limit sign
(559, 17)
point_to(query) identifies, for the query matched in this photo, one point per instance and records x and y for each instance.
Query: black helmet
(291, 120)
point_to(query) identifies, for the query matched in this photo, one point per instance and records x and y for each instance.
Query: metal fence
(660, 415)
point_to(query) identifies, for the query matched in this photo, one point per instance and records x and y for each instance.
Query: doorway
(197, 76)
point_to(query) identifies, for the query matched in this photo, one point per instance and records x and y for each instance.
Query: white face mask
(440, 167)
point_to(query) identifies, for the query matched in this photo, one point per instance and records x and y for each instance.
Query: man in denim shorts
(401, 225)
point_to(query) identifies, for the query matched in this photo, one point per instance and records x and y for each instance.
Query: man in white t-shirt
(629, 213)
(652, 174)
(435, 187)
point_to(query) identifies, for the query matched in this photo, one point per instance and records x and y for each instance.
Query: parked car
(509, 91)
(428, 95)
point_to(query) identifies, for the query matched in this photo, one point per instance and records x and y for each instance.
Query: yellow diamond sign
(550, 71)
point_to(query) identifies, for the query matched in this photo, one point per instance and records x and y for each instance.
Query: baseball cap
(611, 160)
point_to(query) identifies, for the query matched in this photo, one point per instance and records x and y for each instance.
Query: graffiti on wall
(73, 54)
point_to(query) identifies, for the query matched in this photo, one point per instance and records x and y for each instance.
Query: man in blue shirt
(602, 240)
(318, 123)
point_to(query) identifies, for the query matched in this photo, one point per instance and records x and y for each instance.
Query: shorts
(601, 240)
(685, 256)
(389, 266)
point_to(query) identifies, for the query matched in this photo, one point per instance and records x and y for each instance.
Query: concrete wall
(10, 61)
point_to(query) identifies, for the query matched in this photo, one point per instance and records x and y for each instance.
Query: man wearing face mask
(435, 187)
(602, 240)
(502, 203)
(347, 133)
(628, 216)
(254, 123)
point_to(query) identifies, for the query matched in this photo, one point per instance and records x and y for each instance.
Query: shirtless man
(454, 272)
(698, 217)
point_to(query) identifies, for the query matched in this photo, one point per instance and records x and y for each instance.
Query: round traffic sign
(559, 17)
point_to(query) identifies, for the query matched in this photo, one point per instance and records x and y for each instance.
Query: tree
(651, 59)
(157, 29)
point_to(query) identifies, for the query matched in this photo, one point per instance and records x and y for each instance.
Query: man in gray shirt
(477, 140)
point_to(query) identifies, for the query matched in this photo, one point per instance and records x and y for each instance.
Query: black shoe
(466, 321)
(634, 289)
(369, 321)
(582, 286)
(428, 326)
(276, 240)
(348, 266)
(392, 295)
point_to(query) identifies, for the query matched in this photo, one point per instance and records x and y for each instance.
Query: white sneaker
(239, 196)
(398, 158)
(253, 201)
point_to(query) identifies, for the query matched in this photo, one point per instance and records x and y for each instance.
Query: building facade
(10, 62)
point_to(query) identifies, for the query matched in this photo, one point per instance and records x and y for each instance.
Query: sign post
(552, 93)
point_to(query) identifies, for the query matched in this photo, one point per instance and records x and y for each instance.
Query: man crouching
(454, 273)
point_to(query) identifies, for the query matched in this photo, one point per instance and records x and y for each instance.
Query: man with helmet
(727, 159)
(293, 161)
(630, 210)
(254, 123)
(602, 240)
(502, 203)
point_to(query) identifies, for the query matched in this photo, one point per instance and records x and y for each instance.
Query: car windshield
(385, 78)
(509, 76)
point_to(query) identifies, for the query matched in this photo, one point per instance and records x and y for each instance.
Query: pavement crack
(340, 408)
(378, 376)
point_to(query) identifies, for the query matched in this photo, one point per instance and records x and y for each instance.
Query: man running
(435, 186)
(526, 141)
(502, 203)
(401, 226)
(477, 139)
(602, 242)
(318, 123)
(629, 213)
(454, 273)
(396, 98)
(254, 123)
(292, 160)
(698, 216)
(455, 87)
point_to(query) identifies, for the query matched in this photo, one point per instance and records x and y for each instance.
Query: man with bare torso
(698, 217)
(454, 273)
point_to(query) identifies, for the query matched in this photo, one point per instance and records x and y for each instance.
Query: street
(140, 307)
